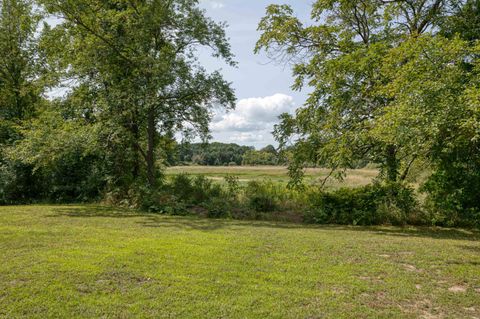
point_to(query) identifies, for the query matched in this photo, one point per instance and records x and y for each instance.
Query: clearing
(358, 177)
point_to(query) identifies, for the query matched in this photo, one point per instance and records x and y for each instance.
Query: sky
(263, 88)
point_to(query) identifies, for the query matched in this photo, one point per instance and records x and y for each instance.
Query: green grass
(87, 262)
(354, 178)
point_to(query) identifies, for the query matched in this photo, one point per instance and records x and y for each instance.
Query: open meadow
(354, 178)
(89, 261)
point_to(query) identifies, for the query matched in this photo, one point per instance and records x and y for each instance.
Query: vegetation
(266, 156)
(220, 154)
(133, 81)
(266, 199)
(394, 85)
(212, 154)
(91, 111)
(89, 261)
(277, 174)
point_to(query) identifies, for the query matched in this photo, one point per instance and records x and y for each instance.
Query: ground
(89, 261)
(358, 177)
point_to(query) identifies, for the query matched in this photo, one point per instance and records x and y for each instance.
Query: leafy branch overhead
(389, 80)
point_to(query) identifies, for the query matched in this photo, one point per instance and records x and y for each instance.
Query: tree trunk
(136, 152)
(151, 139)
(391, 163)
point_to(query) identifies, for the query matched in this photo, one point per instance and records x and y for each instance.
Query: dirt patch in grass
(458, 289)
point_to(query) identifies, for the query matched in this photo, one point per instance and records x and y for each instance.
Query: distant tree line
(221, 154)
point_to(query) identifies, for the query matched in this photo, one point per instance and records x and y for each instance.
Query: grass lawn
(354, 178)
(87, 261)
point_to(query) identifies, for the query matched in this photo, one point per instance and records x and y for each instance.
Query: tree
(134, 63)
(453, 188)
(212, 153)
(465, 21)
(20, 78)
(262, 157)
(343, 57)
(22, 83)
(269, 149)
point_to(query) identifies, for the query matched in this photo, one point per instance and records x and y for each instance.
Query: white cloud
(247, 137)
(215, 4)
(253, 119)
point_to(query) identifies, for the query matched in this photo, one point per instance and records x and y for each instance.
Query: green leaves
(384, 84)
(135, 64)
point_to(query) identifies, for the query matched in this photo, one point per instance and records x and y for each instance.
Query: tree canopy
(384, 79)
(134, 64)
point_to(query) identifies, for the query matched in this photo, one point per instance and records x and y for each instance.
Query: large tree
(134, 69)
(20, 77)
(22, 84)
(345, 56)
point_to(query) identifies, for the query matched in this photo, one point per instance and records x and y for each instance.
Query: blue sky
(262, 88)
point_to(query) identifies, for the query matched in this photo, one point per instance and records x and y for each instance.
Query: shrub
(453, 197)
(204, 189)
(233, 186)
(261, 196)
(19, 184)
(218, 207)
(198, 190)
(369, 205)
(181, 186)
(163, 203)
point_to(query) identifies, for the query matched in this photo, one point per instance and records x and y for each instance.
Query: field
(354, 178)
(88, 261)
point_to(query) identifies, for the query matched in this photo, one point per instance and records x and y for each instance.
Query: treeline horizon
(224, 154)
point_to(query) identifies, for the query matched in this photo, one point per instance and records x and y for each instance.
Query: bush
(369, 205)
(19, 184)
(164, 203)
(204, 190)
(261, 196)
(453, 198)
(181, 186)
(197, 191)
(218, 208)
(233, 186)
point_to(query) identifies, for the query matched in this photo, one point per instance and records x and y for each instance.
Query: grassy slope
(90, 262)
(275, 173)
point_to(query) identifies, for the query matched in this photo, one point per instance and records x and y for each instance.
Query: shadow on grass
(192, 222)
(96, 211)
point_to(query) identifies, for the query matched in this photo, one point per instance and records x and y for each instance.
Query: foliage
(63, 154)
(262, 196)
(135, 67)
(254, 157)
(22, 79)
(353, 55)
(212, 154)
(453, 198)
(18, 185)
(369, 205)
(232, 186)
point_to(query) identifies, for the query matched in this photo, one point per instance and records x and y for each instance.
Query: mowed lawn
(358, 177)
(88, 262)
